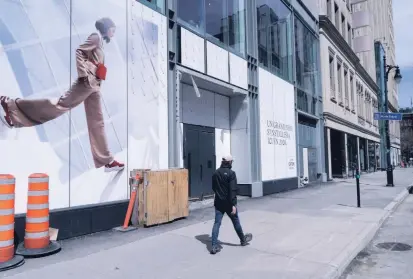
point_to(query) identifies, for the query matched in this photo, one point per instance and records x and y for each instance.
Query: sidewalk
(307, 233)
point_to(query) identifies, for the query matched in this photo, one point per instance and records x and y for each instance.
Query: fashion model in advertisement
(90, 56)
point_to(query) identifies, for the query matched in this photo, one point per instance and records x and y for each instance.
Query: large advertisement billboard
(278, 131)
(66, 121)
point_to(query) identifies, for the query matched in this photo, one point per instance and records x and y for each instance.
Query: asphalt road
(388, 262)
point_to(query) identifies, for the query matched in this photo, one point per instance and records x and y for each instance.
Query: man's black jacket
(224, 185)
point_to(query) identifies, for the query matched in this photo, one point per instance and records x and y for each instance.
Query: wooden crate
(162, 197)
(155, 194)
(178, 193)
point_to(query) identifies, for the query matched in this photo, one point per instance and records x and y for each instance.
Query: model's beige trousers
(27, 113)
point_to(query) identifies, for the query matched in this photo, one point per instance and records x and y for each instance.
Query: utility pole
(397, 78)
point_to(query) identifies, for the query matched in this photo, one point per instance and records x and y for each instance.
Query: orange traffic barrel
(37, 239)
(7, 191)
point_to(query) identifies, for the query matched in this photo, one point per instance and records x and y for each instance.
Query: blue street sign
(388, 116)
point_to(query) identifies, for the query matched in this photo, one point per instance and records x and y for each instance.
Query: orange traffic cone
(7, 191)
(37, 239)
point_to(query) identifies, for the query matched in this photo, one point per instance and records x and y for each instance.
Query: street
(309, 233)
(390, 254)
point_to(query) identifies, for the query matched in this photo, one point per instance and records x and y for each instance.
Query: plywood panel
(156, 197)
(178, 193)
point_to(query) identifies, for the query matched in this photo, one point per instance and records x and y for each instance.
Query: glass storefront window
(221, 21)
(191, 13)
(236, 25)
(305, 102)
(157, 5)
(274, 46)
(306, 46)
(215, 17)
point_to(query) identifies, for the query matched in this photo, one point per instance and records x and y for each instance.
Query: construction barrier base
(13, 263)
(127, 229)
(53, 248)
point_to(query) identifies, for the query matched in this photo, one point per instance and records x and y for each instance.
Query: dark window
(192, 13)
(337, 16)
(314, 106)
(349, 34)
(273, 19)
(222, 21)
(236, 25)
(302, 101)
(306, 46)
(215, 19)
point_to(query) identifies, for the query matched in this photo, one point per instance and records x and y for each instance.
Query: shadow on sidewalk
(206, 240)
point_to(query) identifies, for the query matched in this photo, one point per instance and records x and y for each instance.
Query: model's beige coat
(27, 113)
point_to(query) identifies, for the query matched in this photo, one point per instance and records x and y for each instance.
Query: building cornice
(332, 117)
(331, 31)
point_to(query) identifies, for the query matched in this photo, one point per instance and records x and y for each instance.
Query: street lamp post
(397, 78)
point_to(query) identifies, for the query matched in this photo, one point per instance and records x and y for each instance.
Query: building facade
(188, 82)
(353, 84)
(350, 96)
(372, 24)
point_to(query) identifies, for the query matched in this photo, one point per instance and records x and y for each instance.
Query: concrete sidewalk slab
(308, 233)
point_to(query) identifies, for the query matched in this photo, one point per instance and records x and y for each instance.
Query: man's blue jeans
(218, 220)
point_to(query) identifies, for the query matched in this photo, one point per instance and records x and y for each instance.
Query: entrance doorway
(199, 159)
(338, 154)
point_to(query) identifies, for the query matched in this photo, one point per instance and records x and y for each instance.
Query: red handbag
(101, 71)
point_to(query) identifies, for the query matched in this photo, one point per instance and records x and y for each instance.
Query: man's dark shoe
(215, 249)
(247, 239)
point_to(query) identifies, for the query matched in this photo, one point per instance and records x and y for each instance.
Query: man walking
(224, 185)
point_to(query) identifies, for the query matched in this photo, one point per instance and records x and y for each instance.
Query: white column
(346, 153)
(330, 170)
(358, 154)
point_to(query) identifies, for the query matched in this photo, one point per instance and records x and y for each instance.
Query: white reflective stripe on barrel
(7, 181)
(6, 197)
(6, 212)
(38, 179)
(37, 234)
(8, 227)
(37, 206)
(38, 193)
(6, 243)
(37, 220)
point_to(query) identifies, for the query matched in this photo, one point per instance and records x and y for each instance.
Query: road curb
(365, 238)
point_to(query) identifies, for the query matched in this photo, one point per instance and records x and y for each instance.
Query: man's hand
(234, 210)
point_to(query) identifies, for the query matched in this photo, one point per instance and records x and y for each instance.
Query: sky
(403, 28)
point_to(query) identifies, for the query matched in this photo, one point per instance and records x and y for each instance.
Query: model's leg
(215, 230)
(244, 238)
(97, 136)
(31, 112)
